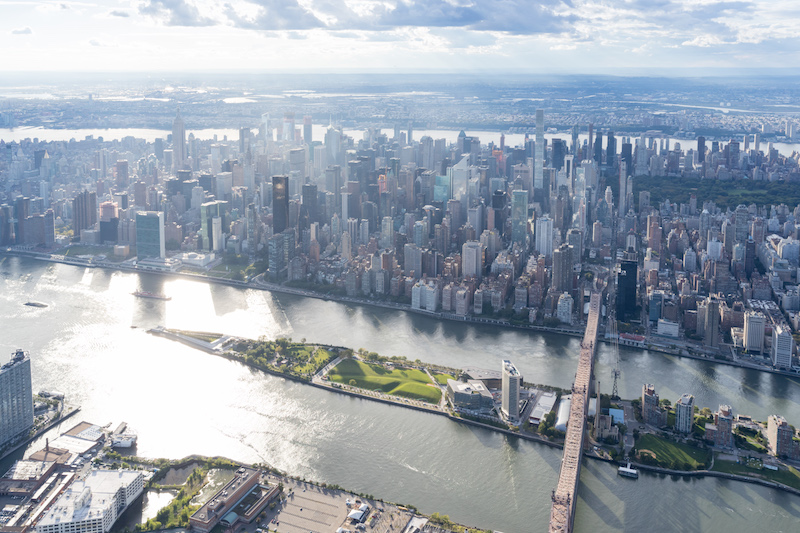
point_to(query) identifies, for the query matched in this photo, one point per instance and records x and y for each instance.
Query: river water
(183, 401)
(451, 135)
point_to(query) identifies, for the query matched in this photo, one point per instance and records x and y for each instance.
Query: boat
(35, 304)
(154, 295)
(627, 471)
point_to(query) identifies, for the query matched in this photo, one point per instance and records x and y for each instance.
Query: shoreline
(40, 432)
(257, 284)
(473, 423)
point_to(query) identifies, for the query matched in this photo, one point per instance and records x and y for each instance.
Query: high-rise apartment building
(626, 290)
(538, 175)
(782, 346)
(84, 212)
(754, 331)
(684, 414)
(16, 398)
(779, 436)
(544, 236)
(511, 384)
(712, 323)
(280, 204)
(519, 218)
(562, 268)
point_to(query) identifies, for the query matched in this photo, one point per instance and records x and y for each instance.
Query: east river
(91, 343)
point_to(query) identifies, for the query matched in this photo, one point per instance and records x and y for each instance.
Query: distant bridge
(562, 514)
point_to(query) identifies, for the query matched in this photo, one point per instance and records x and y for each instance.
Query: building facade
(16, 398)
(150, 241)
(512, 383)
(684, 414)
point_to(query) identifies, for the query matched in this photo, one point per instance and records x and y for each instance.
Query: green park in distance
(405, 382)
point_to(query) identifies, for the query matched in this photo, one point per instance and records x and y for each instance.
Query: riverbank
(40, 432)
(468, 319)
(351, 392)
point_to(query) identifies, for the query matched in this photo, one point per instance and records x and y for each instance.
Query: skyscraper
(626, 290)
(178, 142)
(280, 203)
(712, 323)
(150, 242)
(16, 398)
(307, 129)
(782, 346)
(611, 149)
(544, 236)
(701, 149)
(84, 212)
(562, 268)
(538, 176)
(511, 383)
(472, 259)
(754, 331)
(519, 218)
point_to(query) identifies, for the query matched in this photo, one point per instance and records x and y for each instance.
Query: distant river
(183, 401)
(511, 139)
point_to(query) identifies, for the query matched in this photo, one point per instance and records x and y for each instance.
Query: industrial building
(93, 504)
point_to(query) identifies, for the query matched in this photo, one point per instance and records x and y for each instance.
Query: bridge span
(562, 513)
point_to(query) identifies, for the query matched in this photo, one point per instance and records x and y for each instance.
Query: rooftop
(87, 499)
(26, 470)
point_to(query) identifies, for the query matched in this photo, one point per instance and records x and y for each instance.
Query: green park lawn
(321, 358)
(672, 454)
(441, 379)
(789, 477)
(409, 383)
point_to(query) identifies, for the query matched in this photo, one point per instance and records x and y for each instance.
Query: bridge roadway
(562, 513)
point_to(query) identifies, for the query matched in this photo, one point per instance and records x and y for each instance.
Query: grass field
(672, 454)
(321, 358)
(790, 477)
(441, 379)
(409, 383)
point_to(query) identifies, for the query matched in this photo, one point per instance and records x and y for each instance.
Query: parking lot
(310, 508)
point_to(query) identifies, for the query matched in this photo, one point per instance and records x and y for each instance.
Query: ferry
(147, 294)
(627, 471)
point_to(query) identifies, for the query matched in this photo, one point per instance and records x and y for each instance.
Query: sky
(467, 36)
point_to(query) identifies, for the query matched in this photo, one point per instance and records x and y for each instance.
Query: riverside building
(93, 504)
(16, 398)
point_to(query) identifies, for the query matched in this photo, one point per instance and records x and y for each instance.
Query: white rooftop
(88, 498)
(73, 444)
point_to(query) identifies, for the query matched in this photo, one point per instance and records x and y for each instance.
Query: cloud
(274, 15)
(22, 31)
(511, 16)
(118, 13)
(95, 43)
(175, 13)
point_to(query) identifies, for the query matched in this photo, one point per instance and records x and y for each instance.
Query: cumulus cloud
(511, 16)
(22, 31)
(176, 13)
(118, 13)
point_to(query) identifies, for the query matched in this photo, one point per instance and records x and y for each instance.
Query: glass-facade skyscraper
(16, 398)
(150, 235)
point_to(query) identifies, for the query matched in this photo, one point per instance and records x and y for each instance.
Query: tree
(352, 383)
